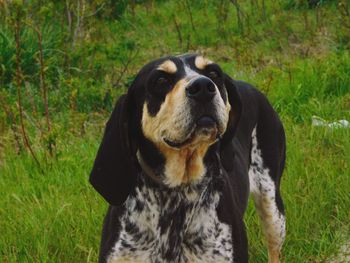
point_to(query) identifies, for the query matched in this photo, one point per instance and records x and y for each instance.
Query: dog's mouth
(205, 126)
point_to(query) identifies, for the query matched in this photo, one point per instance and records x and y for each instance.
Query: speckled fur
(173, 225)
(263, 190)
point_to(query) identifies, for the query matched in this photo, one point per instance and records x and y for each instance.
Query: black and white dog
(180, 154)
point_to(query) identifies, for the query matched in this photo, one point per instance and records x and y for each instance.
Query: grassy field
(297, 54)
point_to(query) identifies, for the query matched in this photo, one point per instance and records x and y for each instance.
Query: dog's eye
(213, 74)
(162, 80)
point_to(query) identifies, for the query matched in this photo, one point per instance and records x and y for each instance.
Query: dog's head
(185, 104)
(175, 110)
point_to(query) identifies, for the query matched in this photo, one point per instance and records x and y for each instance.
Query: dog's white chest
(177, 227)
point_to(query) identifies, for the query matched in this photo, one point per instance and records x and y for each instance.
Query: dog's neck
(148, 171)
(180, 167)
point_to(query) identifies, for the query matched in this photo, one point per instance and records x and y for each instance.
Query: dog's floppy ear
(113, 174)
(226, 149)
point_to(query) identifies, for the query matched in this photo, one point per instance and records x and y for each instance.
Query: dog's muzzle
(204, 122)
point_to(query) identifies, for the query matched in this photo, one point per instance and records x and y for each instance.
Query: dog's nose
(202, 90)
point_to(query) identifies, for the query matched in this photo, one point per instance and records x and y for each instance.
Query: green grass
(298, 56)
(50, 217)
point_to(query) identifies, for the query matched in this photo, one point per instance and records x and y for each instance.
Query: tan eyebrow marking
(201, 62)
(168, 66)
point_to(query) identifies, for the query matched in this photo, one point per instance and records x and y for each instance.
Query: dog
(180, 155)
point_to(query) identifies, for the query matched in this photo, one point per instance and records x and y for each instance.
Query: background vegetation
(64, 63)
